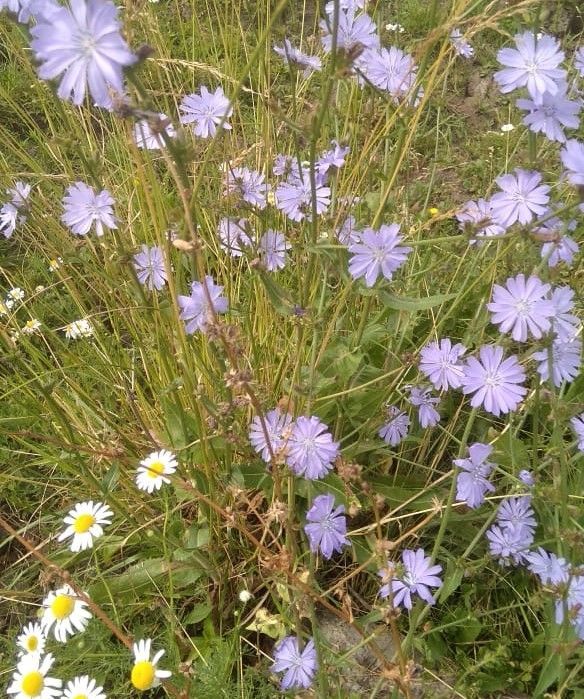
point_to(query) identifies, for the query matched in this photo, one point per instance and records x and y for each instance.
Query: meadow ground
(220, 326)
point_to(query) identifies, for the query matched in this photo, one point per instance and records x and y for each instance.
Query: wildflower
(460, 45)
(509, 544)
(148, 133)
(394, 27)
(494, 381)
(377, 252)
(311, 450)
(84, 524)
(248, 184)
(551, 114)
(479, 216)
(418, 576)
(10, 5)
(207, 110)
(19, 194)
(145, 674)
(327, 527)
(84, 208)
(517, 513)
(573, 602)
(348, 232)
(564, 359)
(150, 267)
(520, 307)
(8, 219)
(396, 429)
(549, 568)
(66, 611)
(78, 328)
(277, 426)
(30, 680)
(332, 159)
(420, 397)
(391, 70)
(55, 264)
(31, 327)
(296, 58)
(355, 32)
(32, 639)
(329, 8)
(506, 128)
(233, 236)
(577, 423)
(83, 688)
(562, 250)
(245, 596)
(282, 165)
(195, 310)
(273, 249)
(16, 294)
(294, 197)
(572, 156)
(298, 665)
(154, 469)
(82, 42)
(440, 362)
(565, 325)
(533, 64)
(521, 198)
(579, 60)
(472, 481)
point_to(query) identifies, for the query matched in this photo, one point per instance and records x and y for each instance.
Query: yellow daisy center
(32, 643)
(62, 606)
(80, 696)
(155, 469)
(83, 523)
(143, 675)
(33, 683)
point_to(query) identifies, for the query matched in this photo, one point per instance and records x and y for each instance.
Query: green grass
(77, 416)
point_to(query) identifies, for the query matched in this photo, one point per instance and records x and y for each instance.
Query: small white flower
(85, 521)
(78, 328)
(66, 611)
(152, 472)
(30, 680)
(83, 688)
(507, 127)
(245, 596)
(16, 294)
(55, 264)
(31, 327)
(31, 640)
(395, 28)
(145, 674)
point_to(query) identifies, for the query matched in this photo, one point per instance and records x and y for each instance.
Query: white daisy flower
(145, 674)
(55, 264)
(85, 521)
(78, 328)
(83, 688)
(32, 639)
(152, 470)
(66, 611)
(31, 327)
(30, 680)
(16, 294)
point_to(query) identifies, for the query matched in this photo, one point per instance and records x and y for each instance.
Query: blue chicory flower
(326, 526)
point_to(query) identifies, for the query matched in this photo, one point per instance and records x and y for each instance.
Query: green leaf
(549, 674)
(402, 303)
(198, 613)
(278, 296)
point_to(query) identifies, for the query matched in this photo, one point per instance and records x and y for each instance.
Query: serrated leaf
(402, 303)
